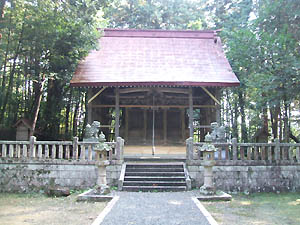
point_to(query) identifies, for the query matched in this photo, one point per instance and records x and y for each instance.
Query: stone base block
(219, 196)
(207, 190)
(90, 196)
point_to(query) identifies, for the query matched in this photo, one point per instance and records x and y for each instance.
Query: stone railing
(62, 150)
(255, 152)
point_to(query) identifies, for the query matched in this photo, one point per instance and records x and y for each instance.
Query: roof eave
(145, 84)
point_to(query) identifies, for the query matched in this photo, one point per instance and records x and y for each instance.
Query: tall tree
(43, 42)
(154, 14)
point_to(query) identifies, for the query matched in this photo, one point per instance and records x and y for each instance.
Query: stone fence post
(75, 148)
(119, 148)
(277, 149)
(32, 141)
(189, 149)
(234, 148)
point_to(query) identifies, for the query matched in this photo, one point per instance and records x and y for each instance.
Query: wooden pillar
(182, 116)
(165, 124)
(191, 112)
(90, 107)
(117, 111)
(145, 125)
(218, 107)
(126, 123)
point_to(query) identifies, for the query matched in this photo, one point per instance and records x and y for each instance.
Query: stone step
(145, 178)
(153, 169)
(153, 188)
(154, 165)
(154, 183)
(155, 174)
(141, 159)
(154, 177)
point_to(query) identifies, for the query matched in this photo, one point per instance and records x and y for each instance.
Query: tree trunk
(68, 109)
(85, 121)
(274, 112)
(234, 116)
(39, 86)
(286, 128)
(280, 126)
(52, 111)
(12, 73)
(265, 128)
(75, 118)
(5, 60)
(244, 134)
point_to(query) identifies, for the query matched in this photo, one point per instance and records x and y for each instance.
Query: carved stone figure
(102, 145)
(218, 133)
(91, 132)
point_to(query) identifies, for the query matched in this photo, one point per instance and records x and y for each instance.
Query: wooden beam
(191, 112)
(117, 111)
(182, 115)
(95, 96)
(173, 90)
(145, 125)
(218, 108)
(134, 96)
(157, 106)
(211, 95)
(165, 124)
(90, 108)
(133, 90)
(126, 123)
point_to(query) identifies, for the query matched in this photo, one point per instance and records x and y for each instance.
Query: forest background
(42, 42)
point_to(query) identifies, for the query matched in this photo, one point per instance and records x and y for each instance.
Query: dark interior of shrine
(166, 109)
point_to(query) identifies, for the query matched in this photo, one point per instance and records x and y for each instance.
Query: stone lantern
(208, 150)
(101, 150)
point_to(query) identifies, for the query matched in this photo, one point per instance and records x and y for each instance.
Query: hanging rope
(153, 127)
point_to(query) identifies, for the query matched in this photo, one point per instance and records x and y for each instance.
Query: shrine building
(155, 86)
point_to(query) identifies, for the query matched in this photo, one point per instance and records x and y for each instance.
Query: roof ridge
(195, 34)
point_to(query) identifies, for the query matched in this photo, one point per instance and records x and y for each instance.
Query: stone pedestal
(102, 187)
(208, 187)
(208, 150)
(207, 190)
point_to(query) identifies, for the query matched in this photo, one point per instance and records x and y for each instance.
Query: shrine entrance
(164, 126)
(155, 128)
(152, 120)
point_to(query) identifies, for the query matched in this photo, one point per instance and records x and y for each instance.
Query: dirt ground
(37, 209)
(257, 209)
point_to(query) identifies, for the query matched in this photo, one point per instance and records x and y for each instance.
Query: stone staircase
(154, 177)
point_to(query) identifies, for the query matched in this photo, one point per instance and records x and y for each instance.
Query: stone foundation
(30, 175)
(246, 176)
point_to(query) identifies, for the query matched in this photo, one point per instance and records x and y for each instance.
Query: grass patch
(258, 209)
(31, 209)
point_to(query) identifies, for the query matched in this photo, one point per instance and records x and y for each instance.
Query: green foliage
(42, 43)
(154, 14)
(265, 57)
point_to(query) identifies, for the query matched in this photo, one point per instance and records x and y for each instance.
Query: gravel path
(148, 208)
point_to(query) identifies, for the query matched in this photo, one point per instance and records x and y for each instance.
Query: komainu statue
(218, 133)
(91, 132)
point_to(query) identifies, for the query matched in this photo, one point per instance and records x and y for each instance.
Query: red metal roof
(156, 57)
